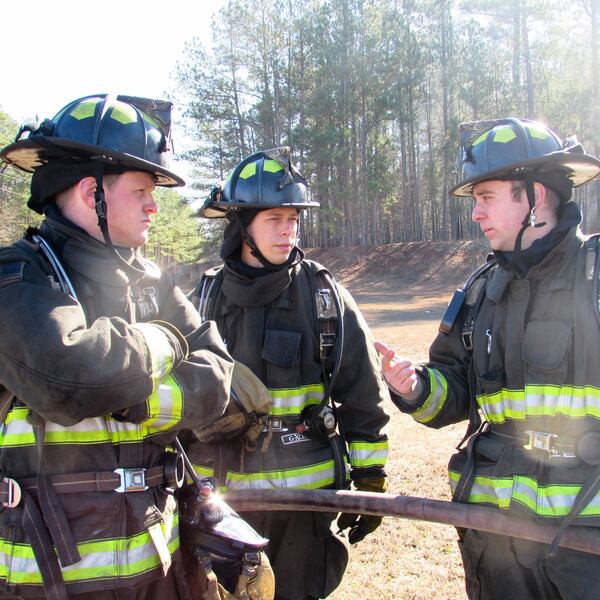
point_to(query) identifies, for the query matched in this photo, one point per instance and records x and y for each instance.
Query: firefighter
(102, 361)
(303, 335)
(519, 345)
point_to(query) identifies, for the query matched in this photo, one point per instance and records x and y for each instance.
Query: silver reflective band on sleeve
(436, 399)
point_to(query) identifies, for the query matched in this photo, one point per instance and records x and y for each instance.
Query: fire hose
(468, 516)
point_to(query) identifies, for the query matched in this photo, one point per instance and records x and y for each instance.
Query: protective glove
(361, 525)
(247, 411)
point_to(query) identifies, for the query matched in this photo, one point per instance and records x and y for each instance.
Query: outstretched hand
(399, 373)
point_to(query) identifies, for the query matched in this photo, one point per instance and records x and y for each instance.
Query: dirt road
(408, 560)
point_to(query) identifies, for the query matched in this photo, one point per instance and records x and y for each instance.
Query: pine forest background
(369, 94)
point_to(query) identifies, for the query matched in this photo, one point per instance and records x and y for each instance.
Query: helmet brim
(28, 155)
(579, 168)
(219, 209)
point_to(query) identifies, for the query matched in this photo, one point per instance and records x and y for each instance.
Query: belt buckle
(539, 440)
(14, 493)
(277, 425)
(467, 339)
(132, 480)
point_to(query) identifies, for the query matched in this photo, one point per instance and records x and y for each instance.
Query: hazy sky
(54, 51)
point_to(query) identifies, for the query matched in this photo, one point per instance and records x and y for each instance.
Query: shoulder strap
(327, 306)
(206, 291)
(470, 294)
(329, 322)
(592, 270)
(40, 248)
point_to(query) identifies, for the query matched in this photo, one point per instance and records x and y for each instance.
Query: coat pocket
(545, 349)
(281, 352)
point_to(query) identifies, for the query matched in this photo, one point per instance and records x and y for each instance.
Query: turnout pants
(173, 586)
(307, 558)
(499, 567)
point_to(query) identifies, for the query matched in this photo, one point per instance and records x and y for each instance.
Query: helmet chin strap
(101, 213)
(249, 240)
(531, 218)
(258, 254)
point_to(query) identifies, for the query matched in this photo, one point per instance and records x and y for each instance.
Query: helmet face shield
(261, 181)
(512, 148)
(123, 131)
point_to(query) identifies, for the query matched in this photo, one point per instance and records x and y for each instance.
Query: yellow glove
(361, 525)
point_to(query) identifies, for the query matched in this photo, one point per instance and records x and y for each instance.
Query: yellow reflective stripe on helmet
(554, 501)
(161, 355)
(123, 557)
(537, 131)
(368, 454)
(541, 400)
(272, 166)
(291, 401)
(124, 113)
(150, 120)
(312, 477)
(248, 171)
(85, 109)
(480, 139)
(438, 392)
(505, 134)
(165, 406)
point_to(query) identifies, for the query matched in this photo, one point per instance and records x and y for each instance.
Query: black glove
(361, 525)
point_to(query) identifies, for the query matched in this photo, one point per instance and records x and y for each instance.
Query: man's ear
(87, 188)
(541, 194)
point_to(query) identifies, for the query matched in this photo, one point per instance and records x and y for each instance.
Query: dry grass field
(408, 560)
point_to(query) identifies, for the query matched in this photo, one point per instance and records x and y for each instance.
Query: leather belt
(553, 446)
(120, 480)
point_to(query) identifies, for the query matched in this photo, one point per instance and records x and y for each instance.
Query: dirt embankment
(419, 266)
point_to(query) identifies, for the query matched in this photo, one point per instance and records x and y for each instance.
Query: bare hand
(399, 373)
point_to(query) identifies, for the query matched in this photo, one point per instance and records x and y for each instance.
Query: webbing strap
(57, 523)
(588, 490)
(41, 544)
(6, 399)
(94, 481)
(51, 507)
(467, 476)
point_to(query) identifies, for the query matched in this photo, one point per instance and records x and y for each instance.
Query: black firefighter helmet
(262, 180)
(122, 133)
(520, 149)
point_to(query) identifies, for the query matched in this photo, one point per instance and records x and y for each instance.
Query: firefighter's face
(275, 232)
(499, 210)
(130, 207)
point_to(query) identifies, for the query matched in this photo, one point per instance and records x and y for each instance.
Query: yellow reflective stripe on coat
(291, 401)
(161, 354)
(541, 400)
(438, 393)
(554, 500)
(100, 559)
(368, 454)
(165, 406)
(309, 478)
(16, 431)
